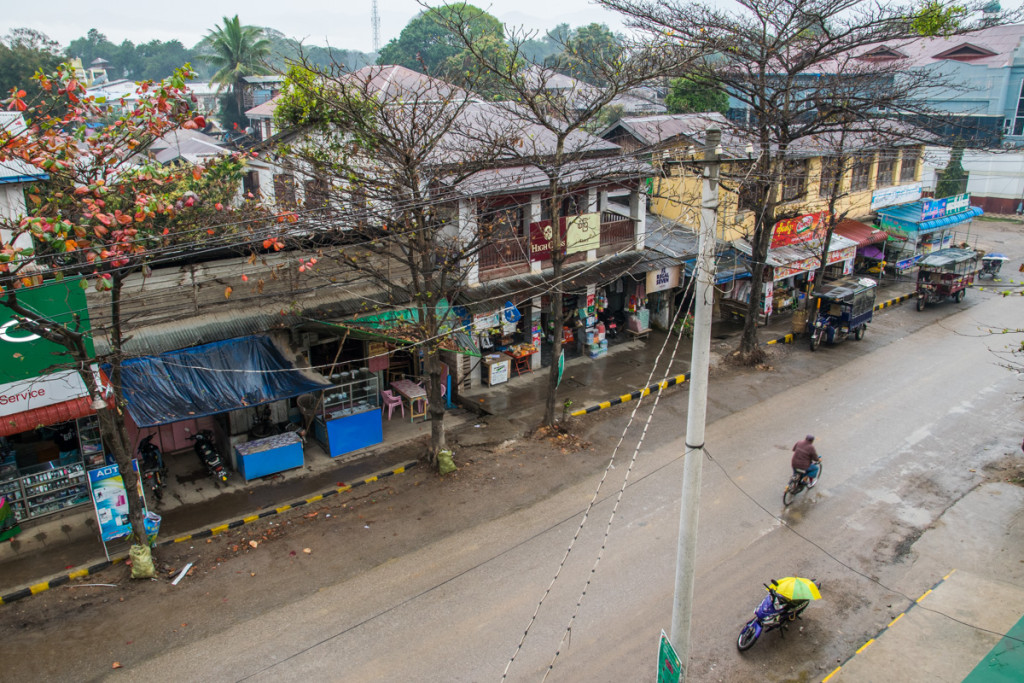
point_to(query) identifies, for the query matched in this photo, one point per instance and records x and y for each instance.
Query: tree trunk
(436, 404)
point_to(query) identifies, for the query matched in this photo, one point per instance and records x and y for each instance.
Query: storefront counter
(271, 455)
(345, 431)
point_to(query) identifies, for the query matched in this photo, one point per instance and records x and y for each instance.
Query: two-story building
(877, 171)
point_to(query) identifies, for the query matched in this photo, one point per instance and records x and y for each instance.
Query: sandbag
(142, 562)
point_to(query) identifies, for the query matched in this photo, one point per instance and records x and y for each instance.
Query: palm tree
(236, 51)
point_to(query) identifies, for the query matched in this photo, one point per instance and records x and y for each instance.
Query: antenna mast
(375, 26)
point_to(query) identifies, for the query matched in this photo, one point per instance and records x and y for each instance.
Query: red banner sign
(800, 229)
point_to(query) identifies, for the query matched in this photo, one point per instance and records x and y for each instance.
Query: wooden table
(414, 394)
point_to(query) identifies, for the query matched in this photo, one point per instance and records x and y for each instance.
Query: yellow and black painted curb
(658, 386)
(82, 572)
(888, 626)
(679, 379)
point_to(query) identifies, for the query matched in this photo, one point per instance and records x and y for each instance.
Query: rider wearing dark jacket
(805, 457)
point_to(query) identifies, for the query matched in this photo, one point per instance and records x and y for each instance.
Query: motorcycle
(774, 612)
(208, 455)
(797, 483)
(154, 473)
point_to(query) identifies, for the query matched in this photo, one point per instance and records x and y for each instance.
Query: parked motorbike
(208, 455)
(154, 473)
(777, 611)
(797, 483)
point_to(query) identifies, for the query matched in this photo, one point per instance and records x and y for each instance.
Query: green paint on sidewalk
(1005, 662)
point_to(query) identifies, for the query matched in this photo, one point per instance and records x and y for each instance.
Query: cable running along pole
(696, 412)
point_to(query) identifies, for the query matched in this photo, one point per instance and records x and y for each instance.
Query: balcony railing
(504, 252)
(616, 229)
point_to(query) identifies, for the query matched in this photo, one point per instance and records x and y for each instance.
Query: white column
(468, 232)
(532, 215)
(638, 213)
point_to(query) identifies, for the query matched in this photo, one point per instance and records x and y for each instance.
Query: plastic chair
(392, 401)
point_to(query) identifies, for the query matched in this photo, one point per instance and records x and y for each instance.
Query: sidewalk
(53, 547)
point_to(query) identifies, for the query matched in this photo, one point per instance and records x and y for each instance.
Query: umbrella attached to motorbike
(787, 598)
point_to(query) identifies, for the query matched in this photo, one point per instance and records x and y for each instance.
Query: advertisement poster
(799, 230)
(581, 233)
(110, 500)
(947, 206)
(663, 279)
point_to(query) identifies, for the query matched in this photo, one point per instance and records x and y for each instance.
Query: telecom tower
(375, 26)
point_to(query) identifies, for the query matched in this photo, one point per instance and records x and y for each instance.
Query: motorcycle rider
(805, 459)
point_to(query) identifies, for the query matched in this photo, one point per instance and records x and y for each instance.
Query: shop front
(870, 256)
(49, 433)
(216, 388)
(793, 259)
(919, 228)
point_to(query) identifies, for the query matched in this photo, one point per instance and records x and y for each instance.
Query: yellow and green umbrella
(796, 588)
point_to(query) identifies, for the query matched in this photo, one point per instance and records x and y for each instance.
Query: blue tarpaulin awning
(907, 218)
(210, 379)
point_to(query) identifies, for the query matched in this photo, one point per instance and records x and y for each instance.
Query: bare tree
(387, 149)
(554, 144)
(798, 70)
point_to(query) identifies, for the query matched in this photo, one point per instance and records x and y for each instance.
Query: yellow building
(876, 172)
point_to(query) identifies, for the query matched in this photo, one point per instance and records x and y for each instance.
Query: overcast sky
(341, 23)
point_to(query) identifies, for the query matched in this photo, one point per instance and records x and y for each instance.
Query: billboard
(578, 233)
(799, 230)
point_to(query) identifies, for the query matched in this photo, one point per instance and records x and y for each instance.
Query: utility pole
(696, 411)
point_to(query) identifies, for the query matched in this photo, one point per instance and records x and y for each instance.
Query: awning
(210, 379)
(46, 416)
(861, 233)
(400, 326)
(962, 217)
(728, 267)
(795, 253)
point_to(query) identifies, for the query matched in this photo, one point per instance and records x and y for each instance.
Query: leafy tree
(688, 95)
(425, 44)
(539, 50)
(23, 52)
(93, 45)
(236, 51)
(953, 179)
(582, 48)
(107, 211)
(464, 69)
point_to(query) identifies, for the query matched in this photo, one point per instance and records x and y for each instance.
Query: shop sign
(38, 392)
(484, 322)
(812, 263)
(891, 196)
(895, 226)
(947, 206)
(577, 233)
(799, 230)
(24, 355)
(110, 500)
(663, 279)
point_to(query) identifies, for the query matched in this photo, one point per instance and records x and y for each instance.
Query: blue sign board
(110, 499)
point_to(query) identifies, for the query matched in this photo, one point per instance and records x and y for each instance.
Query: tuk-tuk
(841, 308)
(945, 273)
(991, 263)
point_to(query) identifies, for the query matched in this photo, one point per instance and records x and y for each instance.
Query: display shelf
(44, 492)
(30, 496)
(90, 442)
(359, 395)
(70, 492)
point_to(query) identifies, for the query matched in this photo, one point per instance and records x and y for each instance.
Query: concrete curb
(886, 628)
(679, 379)
(82, 572)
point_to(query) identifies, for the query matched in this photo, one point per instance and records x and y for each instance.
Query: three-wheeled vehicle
(991, 263)
(945, 273)
(841, 308)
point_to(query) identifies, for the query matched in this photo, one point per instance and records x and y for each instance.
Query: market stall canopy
(908, 218)
(782, 256)
(210, 379)
(401, 327)
(861, 233)
(46, 416)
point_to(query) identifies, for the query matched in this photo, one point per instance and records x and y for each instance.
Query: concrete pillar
(468, 232)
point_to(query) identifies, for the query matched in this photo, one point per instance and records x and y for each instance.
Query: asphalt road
(906, 421)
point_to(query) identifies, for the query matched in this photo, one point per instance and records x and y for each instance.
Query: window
(316, 194)
(861, 174)
(886, 169)
(794, 178)
(829, 183)
(500, 221)
(908, 171)
(284, 189)
(251, 184)
(572, 205)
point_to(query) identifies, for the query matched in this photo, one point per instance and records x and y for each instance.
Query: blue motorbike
(774, 612)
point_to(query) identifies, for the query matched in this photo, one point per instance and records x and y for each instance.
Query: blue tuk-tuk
(841, 308)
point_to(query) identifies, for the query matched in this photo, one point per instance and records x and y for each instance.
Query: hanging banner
(800, 229)
(891, 196)
(947, 206)
(110, 500)
(578, 233)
